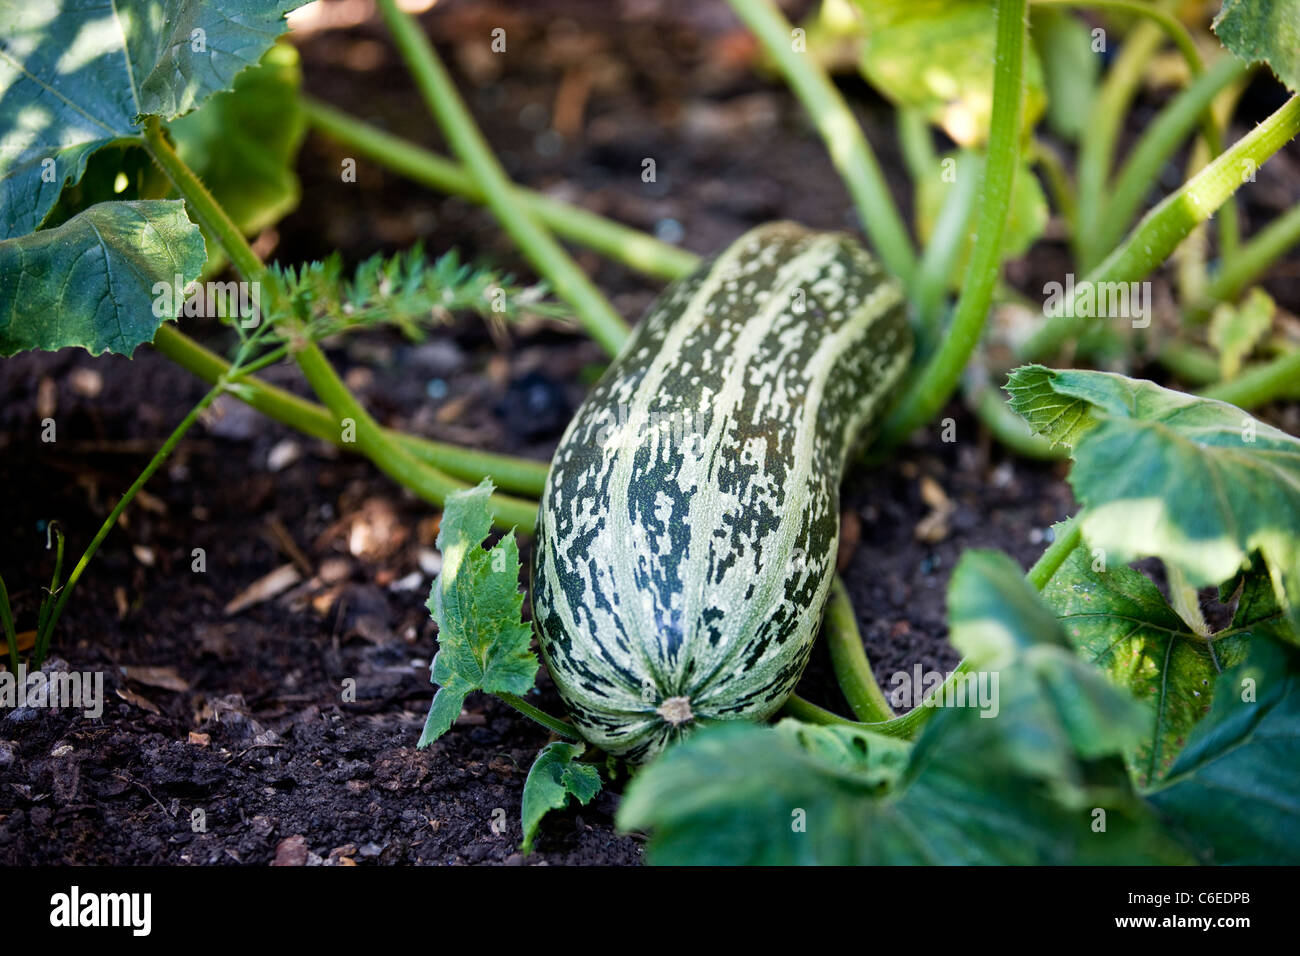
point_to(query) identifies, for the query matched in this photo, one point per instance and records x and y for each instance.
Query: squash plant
(687, 523)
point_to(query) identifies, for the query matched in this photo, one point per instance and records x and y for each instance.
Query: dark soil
(248, 717)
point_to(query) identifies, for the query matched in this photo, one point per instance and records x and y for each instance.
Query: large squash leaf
(975, 788)
(1118, 619)
(77, 76)
(937, 56)
(1197, 483)
(90, 282)
(483, 643)
(1255, 30)
(1235, 788)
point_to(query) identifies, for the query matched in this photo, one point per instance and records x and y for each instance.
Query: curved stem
(935, 384)
(553, 724)
(1165, 226)
(1261, 384)
(631, 247)
(429, 483)
(468, 464)
(546, 255)
(1097, 148)
(849, 150)
(47, 630)
(1251, 260)
(849, 658)
(1172, 26)
(1159, 142)
(1068, 537)
(940, 255)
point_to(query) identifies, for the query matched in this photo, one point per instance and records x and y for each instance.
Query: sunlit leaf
(90, 282)
(1197, 483)
(75, 77)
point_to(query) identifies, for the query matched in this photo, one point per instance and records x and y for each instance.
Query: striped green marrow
(688, 529)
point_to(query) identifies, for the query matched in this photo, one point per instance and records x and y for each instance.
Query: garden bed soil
(290, 726)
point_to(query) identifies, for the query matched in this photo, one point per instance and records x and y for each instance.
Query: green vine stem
(1164, 227)
(1250, 261)
(1068, 537)
(1261, 384)
(426, 481)
(916, 143)
(1159, 142)
(830, 115)
(930, 389)
(1172, 26)
(429, 483)
(945, 243)
(1097, 149)
(553, 724)
(48, 623)
(539, 246)
(906, 725)
(631, 247)
(508, 473)
(849, 658)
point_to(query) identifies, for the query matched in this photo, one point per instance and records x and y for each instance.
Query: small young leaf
(555, 776)
(1254, 30)
(1236, 330)
(482, 640)
(90, 282)
(1235, 788)
(1197, 483)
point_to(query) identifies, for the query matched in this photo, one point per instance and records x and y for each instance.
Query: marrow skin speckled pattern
(687, 534)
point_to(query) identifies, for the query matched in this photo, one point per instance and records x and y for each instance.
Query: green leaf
(90, 282)
(976, 787)
(1235, 788)
(1197, 483)
(555, 776)
(76, 77)
(243, 143)
(483, 643)
(1257, 30)
(1118, 620)
(938, 56)
(1070, 68)
(1235, 330)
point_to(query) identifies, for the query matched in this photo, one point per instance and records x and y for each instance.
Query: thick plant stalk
(633, 248)
(939, 378)
(470, 465)
(1158, 143)
(1068, 537)
(541, 249)
(940, 256)
(849, 659)
(848, 147)
(1262, 384)
(428, 482)
(1251, 260)
(1098, 147)
(1164, 227)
